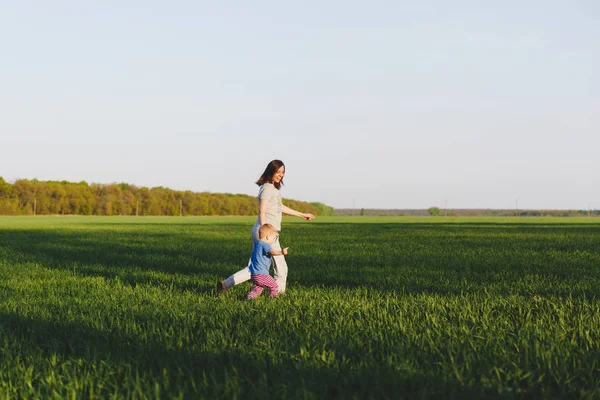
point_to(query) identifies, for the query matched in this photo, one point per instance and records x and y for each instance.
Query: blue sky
(380, 104)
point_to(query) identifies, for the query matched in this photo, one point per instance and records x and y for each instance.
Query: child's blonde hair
(266, 229)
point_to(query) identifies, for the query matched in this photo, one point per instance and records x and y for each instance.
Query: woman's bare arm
(288, 211)
(262, 211)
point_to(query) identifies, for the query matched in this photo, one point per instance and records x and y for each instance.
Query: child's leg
(266, 281)
(255, 292)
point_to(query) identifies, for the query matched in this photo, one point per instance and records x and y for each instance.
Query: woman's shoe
(221, 288)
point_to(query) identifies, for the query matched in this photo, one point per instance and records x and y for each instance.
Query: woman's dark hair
(267, 176)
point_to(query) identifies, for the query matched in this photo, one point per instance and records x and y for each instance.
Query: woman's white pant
(279, 266)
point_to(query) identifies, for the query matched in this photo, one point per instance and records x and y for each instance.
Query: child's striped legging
(259, 283)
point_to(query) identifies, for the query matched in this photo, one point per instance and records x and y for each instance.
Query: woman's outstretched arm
(288, 211)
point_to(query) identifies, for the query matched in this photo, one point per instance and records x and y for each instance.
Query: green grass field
(390, 307)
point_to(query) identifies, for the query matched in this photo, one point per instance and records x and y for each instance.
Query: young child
(260, 262)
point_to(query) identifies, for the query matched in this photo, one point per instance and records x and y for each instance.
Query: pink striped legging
(259, 283)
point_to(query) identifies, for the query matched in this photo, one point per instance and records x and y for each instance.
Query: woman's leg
(280, 268)
(243, 274)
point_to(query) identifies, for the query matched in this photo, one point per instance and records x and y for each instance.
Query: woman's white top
(275, 207)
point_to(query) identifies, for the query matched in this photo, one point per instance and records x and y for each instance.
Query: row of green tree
(436, 211)
(34, 197)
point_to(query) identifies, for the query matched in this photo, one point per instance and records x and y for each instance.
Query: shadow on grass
(432, 258)
(136, 257)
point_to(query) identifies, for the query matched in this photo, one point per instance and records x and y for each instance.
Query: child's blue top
(260, 261)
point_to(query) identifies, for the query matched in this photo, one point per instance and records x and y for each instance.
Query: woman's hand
(308, 217)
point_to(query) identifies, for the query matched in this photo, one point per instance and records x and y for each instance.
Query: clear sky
(374, 104)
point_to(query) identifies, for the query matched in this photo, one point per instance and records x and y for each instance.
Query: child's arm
(283, 252)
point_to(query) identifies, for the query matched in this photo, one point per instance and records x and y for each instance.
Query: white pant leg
(280, 268)
(243, 274)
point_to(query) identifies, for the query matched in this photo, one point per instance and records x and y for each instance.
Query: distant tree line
(29, 197)
(436, 211)
(558, 213)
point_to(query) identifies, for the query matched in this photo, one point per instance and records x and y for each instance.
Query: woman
(270, 210)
